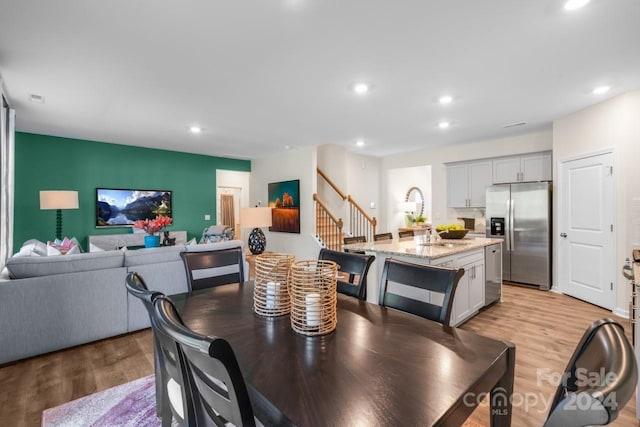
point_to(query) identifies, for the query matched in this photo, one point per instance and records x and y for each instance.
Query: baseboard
(621, 313)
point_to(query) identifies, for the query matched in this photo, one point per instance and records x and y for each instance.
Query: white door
(457, 185)
(586, 241)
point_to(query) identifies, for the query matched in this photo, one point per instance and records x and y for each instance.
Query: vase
(151, 241)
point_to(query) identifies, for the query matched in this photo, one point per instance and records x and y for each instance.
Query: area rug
(128, 405)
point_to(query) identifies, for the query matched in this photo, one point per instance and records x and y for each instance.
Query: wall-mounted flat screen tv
(120, 208)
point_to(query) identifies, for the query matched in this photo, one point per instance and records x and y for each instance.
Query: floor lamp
(58, 199)
(256, 217)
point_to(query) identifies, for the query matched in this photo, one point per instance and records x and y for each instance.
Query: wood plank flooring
(544, 326)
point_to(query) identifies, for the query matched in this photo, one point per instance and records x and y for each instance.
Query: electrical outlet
(207, 217)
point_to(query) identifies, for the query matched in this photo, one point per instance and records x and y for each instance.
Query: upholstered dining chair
(405, 233)
(583, 397)
(423, 277)
(382, 236)
(212, 268)
(138, 288)
(214, 382)
(355, 265)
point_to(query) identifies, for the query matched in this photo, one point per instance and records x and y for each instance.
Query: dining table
(379, 367)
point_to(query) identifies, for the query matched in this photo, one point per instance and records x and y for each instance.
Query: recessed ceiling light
(575, 4)
(601, 90)
(444, 125)
(360, 143)
(445, 99)
(34, 97)
(195, 129)
(361, 88)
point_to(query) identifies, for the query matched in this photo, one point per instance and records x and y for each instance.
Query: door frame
(560, 221)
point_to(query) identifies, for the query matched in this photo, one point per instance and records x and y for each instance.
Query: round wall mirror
(414, 195)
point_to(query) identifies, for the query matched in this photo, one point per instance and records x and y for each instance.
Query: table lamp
(256, 217)
(58, 199)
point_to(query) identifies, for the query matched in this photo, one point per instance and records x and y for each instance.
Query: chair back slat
(406, 233)
(426, 277)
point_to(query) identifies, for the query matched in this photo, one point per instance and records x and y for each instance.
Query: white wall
(437, 157)
(615, 124)
(355, 174)
(299, 163)
(399, 181)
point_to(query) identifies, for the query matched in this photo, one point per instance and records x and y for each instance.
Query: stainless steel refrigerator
(520, 215)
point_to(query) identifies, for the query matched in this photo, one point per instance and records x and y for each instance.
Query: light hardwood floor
(544, 326)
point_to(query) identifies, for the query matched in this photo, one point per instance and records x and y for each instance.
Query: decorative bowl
(453, 234)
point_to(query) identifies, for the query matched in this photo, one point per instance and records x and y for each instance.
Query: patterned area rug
(128, 405)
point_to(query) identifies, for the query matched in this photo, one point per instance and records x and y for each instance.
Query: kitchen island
(468, 253)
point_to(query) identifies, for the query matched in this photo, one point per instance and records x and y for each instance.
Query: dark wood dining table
(379, 367)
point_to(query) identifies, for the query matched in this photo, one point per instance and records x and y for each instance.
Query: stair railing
(360, 224)
(328, 227)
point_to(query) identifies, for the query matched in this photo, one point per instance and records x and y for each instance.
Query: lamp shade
(255, 217)
(58, 199)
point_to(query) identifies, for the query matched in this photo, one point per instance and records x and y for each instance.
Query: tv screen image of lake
(117, 207)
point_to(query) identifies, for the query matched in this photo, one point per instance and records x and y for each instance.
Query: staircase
(329, 228)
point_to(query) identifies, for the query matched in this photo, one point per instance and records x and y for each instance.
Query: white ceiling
(264, 74)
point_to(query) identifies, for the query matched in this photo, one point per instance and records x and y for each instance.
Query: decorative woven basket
(270, 289)
(314, 298)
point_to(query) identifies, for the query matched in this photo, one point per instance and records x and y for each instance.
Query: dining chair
(354, 239)
(382, 236)
(406, 233)
(212, 268)
(179, 407)
(138, 288)
(584, 397)
(426, 277)
(354, 265)
(214, 382)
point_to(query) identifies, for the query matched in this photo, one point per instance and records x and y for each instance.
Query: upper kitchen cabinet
(524, 168)
(467, 183)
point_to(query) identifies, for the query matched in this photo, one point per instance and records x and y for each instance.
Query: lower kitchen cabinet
(469, 296)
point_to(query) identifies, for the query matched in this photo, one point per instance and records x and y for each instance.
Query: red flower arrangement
(154, 225)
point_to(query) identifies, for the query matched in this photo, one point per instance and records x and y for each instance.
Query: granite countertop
(415, 247)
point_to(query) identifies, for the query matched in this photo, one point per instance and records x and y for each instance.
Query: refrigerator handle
(512, 215)
(507, 225)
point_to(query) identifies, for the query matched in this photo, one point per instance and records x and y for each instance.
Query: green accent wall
(53, 163)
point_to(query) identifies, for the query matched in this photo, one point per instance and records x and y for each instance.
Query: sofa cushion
(153, 255)
(23, 267)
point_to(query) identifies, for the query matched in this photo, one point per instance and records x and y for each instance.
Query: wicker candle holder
(314, 298)
(270, 289)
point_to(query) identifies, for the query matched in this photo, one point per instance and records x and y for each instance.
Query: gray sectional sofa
(55, 302)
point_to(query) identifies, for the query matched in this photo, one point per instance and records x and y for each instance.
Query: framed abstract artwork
(284, 199)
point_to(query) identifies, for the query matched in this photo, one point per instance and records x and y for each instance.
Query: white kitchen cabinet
(467, 183)
(524, 168)
(469, 296)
